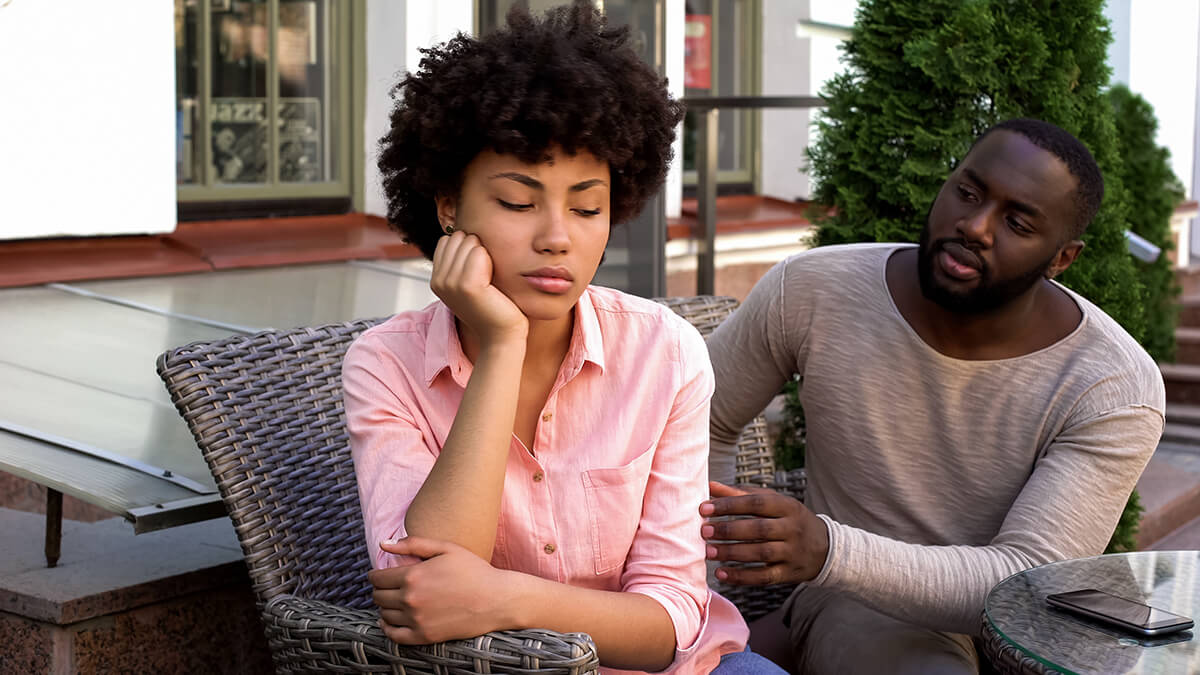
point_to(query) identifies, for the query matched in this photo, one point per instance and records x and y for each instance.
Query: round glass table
(1022, 634)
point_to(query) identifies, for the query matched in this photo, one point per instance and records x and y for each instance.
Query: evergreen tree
(923, 78)
(1153, 193)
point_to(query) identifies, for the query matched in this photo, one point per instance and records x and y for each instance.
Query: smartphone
(1120, 612)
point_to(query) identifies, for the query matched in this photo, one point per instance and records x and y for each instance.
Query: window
(262, 99)
(721, 58)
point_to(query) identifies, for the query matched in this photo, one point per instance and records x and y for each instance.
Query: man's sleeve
(754, 352)
(1067, 509)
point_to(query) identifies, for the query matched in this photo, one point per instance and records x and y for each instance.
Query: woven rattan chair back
(755, 458)
(266, 411)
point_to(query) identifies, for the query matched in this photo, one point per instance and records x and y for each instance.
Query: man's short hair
(1089, 191)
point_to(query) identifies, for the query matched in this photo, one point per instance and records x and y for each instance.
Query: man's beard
(987, 295)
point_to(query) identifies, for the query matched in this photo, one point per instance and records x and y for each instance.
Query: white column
(396, 30)
(673, 64)
(1162, 68)
(786, 71)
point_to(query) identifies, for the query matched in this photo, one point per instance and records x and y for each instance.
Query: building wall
(797, 60)
(1154, 52)
(785, 72)
(673, 56)
(385, 56)
(87, 123)
(396, 31)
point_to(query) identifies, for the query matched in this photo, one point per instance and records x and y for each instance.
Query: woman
(530, 450)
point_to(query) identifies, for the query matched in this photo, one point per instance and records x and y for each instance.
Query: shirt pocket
(614, 500)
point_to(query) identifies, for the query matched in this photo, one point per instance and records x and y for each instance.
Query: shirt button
(537, 477)
(549, 548)
(546, 417)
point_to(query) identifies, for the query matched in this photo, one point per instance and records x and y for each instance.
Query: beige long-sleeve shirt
(937, 477)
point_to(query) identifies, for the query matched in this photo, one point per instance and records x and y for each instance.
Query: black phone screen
(1121, 609)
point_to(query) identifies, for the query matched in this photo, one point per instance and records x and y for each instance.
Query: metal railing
(707, 110)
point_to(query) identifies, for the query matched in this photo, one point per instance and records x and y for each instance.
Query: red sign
(697, 51)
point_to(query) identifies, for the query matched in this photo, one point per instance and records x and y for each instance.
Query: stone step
(1176, 432)
(1182, 382)
(1169, 490)
(1182, 413)
(1189, 311)
(1187, 345)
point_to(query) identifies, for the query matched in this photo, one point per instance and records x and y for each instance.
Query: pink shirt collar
(444, 350)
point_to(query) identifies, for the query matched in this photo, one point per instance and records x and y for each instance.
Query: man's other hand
(790, 541)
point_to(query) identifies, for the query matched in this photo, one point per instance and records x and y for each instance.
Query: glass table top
(82, 409)
(277, 297)
(1016, 608)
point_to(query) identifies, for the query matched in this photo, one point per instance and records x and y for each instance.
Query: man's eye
(587, 212)
(514, 207)
(1019, 226)
(965, 192)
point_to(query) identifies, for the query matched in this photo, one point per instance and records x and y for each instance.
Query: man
(967, 417)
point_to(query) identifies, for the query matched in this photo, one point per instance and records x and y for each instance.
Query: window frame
(338, 123)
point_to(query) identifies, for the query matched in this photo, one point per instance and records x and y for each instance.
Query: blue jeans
(746, 663)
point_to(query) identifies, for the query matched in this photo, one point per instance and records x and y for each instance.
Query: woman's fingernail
(388, 542)
(706, 531)
(722, 574)
(710, 551)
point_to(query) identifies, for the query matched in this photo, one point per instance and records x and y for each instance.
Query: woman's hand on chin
(462, 278)
(451, 594)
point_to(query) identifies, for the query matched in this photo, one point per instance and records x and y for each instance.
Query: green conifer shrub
(1153, 193)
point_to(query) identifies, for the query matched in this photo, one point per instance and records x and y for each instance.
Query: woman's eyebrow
(587, 185)
(521, 178)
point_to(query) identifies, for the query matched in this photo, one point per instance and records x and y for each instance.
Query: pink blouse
(608, 497)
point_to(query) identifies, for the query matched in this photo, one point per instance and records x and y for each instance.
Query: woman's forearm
(631, 631)
(460, 500)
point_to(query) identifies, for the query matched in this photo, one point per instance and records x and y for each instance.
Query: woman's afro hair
(567, 80)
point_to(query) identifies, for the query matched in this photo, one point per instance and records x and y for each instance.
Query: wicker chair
(266, 412)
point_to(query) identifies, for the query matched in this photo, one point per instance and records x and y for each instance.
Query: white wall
(396, 30)
(785, 72)
(673, 57)
(87, 117)
(1154, 52)
(385, 50)
(797, 60)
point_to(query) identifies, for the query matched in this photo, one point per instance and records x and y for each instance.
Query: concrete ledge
(105, 568)
(176, 600)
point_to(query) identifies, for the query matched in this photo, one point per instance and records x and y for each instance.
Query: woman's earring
(449, 229)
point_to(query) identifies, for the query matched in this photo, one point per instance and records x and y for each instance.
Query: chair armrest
(317, 636)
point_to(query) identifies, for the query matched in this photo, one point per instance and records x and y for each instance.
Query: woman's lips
(550, 279)
(556, 285)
